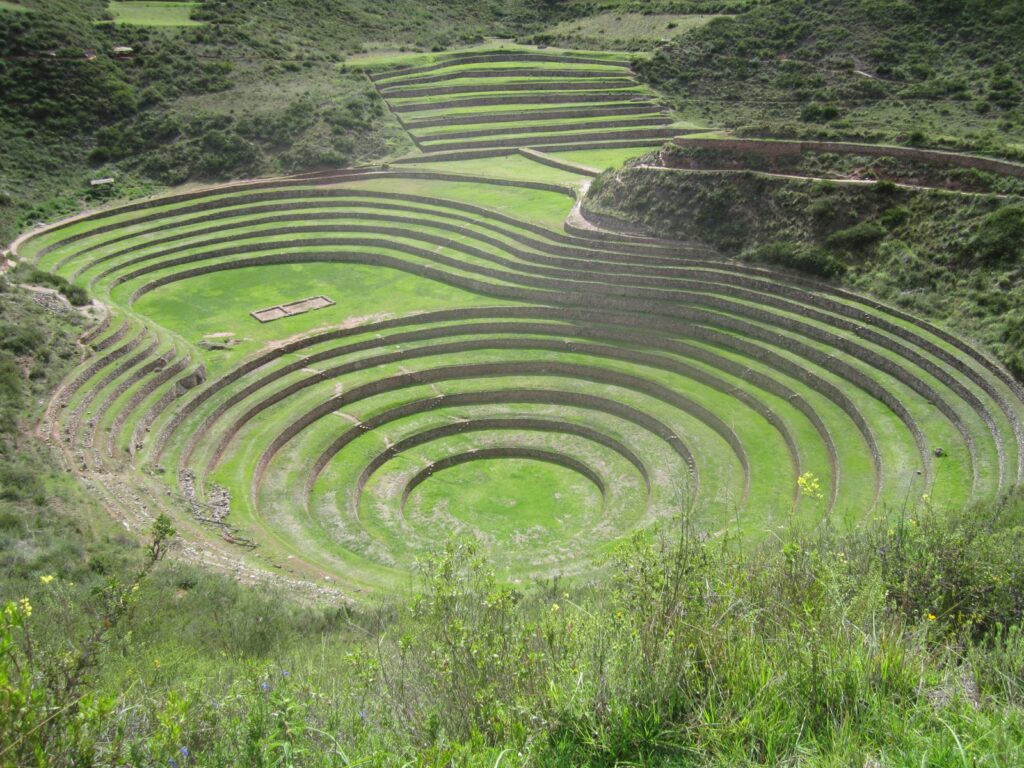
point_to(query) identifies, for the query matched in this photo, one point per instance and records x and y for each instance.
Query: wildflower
(47, 578)
(932, 617)
(156, 663)
(264, 686)
(285, 673)
(925, 497)
(185, 753)
(25, 606)
(809, 485)
(554, 607)
(172, 763)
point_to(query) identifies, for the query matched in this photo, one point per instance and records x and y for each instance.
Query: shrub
(1000, 238)
(20, 483)
(811, 259)
(77, 295)
(858, 237)
(964, 569)
(895, 217)
(819, 113)
(11, 391)
(21, 340)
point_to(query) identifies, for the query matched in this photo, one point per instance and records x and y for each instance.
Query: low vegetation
(910, 71)
(251, 88)
(896, 644)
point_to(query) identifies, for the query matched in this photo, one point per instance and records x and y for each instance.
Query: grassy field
(147, 13)
(612, 29)
(603, 158)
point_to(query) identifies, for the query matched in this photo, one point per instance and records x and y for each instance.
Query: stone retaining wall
(415, 92)
(779, 148)
(483, 58)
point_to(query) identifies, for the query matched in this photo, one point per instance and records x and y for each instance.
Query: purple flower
(172, 763)
(264, 686)
(185, 753)
(285, 673)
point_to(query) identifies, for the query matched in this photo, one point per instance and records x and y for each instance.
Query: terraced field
(493, 100)
(486, 370)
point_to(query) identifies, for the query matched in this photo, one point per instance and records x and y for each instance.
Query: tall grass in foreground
(899, 644)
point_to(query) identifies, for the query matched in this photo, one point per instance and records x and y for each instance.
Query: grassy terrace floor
(485, 370)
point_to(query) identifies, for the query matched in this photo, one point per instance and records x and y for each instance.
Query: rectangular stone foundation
(292, 308)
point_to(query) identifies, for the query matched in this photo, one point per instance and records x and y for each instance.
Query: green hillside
(511, 383)
(937, 73)
(255, 89)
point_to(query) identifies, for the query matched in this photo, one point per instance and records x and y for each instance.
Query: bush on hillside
(857, 238)
(896, 216)
(962, 568)
(75, 294)
(803, 257)
(1000, 238)
(11, 392)
(819, 113)
(1013, 341)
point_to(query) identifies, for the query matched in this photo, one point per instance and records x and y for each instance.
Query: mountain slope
(931, 72)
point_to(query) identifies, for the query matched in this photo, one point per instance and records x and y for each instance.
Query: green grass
(511, 166)
(5, 5)
(603, 158)
(548, 209)
(573, 135)
(393, 78)
(383, 60)
(617, 94)
(511, 126)
(622, 27)
(222, 302)
(154, 14)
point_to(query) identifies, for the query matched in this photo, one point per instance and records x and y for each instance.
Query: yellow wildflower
(25, 606)
(932, 617)
(809, 485)
(47, 578)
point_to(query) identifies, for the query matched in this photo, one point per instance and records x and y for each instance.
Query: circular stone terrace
(441, 355)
